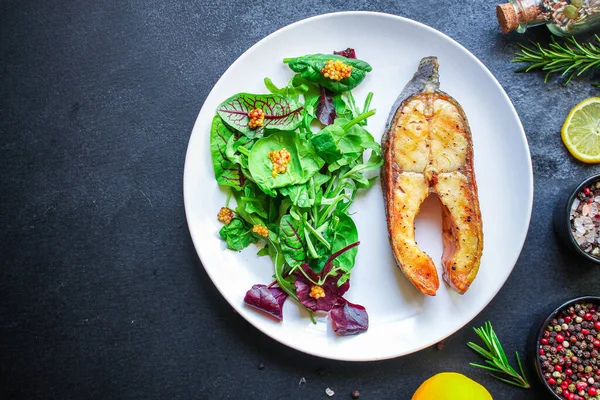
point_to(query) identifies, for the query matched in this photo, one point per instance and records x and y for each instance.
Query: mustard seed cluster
(280, 160)
(336, 70)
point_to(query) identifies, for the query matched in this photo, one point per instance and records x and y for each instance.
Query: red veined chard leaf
(325, 108)
(291, 240)
(268, 300)
(227, 173)
(281, 113)
(348, 53)
(349, 319)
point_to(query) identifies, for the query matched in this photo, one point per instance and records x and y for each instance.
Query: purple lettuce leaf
(349, 319)
(325, 108)
(265, 299)
(333, 292)
(348, 53)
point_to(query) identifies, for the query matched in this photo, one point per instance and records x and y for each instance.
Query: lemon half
(581, 131)
(451, 386)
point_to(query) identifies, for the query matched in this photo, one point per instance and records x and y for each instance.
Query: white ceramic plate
(402, 320)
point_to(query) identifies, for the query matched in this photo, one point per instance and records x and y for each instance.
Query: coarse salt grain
(585, 219)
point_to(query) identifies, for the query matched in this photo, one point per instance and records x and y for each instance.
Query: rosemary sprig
(569, 58)
(495, 358)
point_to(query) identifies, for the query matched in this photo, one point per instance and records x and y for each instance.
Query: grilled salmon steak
(428, 149)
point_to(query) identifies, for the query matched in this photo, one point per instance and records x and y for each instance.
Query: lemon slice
(581, 131)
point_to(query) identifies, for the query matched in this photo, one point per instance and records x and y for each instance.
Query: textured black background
(101, 292)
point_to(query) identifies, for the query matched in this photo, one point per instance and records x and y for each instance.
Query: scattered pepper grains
(569, 352)
(280, 160)
(317, 292)
(257, 118)
(261, 230)
(336, 70)
(225, 215)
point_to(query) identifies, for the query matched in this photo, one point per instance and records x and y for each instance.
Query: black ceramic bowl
(562, 218)
(540, 332)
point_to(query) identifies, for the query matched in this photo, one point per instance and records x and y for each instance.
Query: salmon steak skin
(427, 148)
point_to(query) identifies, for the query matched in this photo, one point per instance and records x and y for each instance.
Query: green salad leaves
(303, 165)
(310, 67)
(294, 173)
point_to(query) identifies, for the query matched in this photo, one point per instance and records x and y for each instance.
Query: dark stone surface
(101, 292)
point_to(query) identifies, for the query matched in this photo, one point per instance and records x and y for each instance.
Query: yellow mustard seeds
(257, 118)
(280, 160)
(336, 70)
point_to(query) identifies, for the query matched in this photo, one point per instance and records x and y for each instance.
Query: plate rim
(187, 192)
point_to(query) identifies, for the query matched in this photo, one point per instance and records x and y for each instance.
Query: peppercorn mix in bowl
(567, 353)
(577, 219)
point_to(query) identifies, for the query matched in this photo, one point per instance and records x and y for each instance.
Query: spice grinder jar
(562, 17)
(562, 218)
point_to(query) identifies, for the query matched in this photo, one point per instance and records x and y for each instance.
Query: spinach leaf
(326, 143)
(227, 173)
(304, 161)
(310, 67)
(291, 240)
(344, 139)
(358, 139)
(341, 108)
(237, 234)
(281, 113)
(344, 235)
(298, 195)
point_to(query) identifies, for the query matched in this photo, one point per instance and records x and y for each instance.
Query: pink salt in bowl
(577, 219)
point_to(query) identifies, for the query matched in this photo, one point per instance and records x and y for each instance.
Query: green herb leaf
(304, 161)
(281, 113)
(496, 358)
(569, 58)
(237, 234)
(310, 67)
(227, 173)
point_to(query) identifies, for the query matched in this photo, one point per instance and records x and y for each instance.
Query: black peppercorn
(355, 394)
